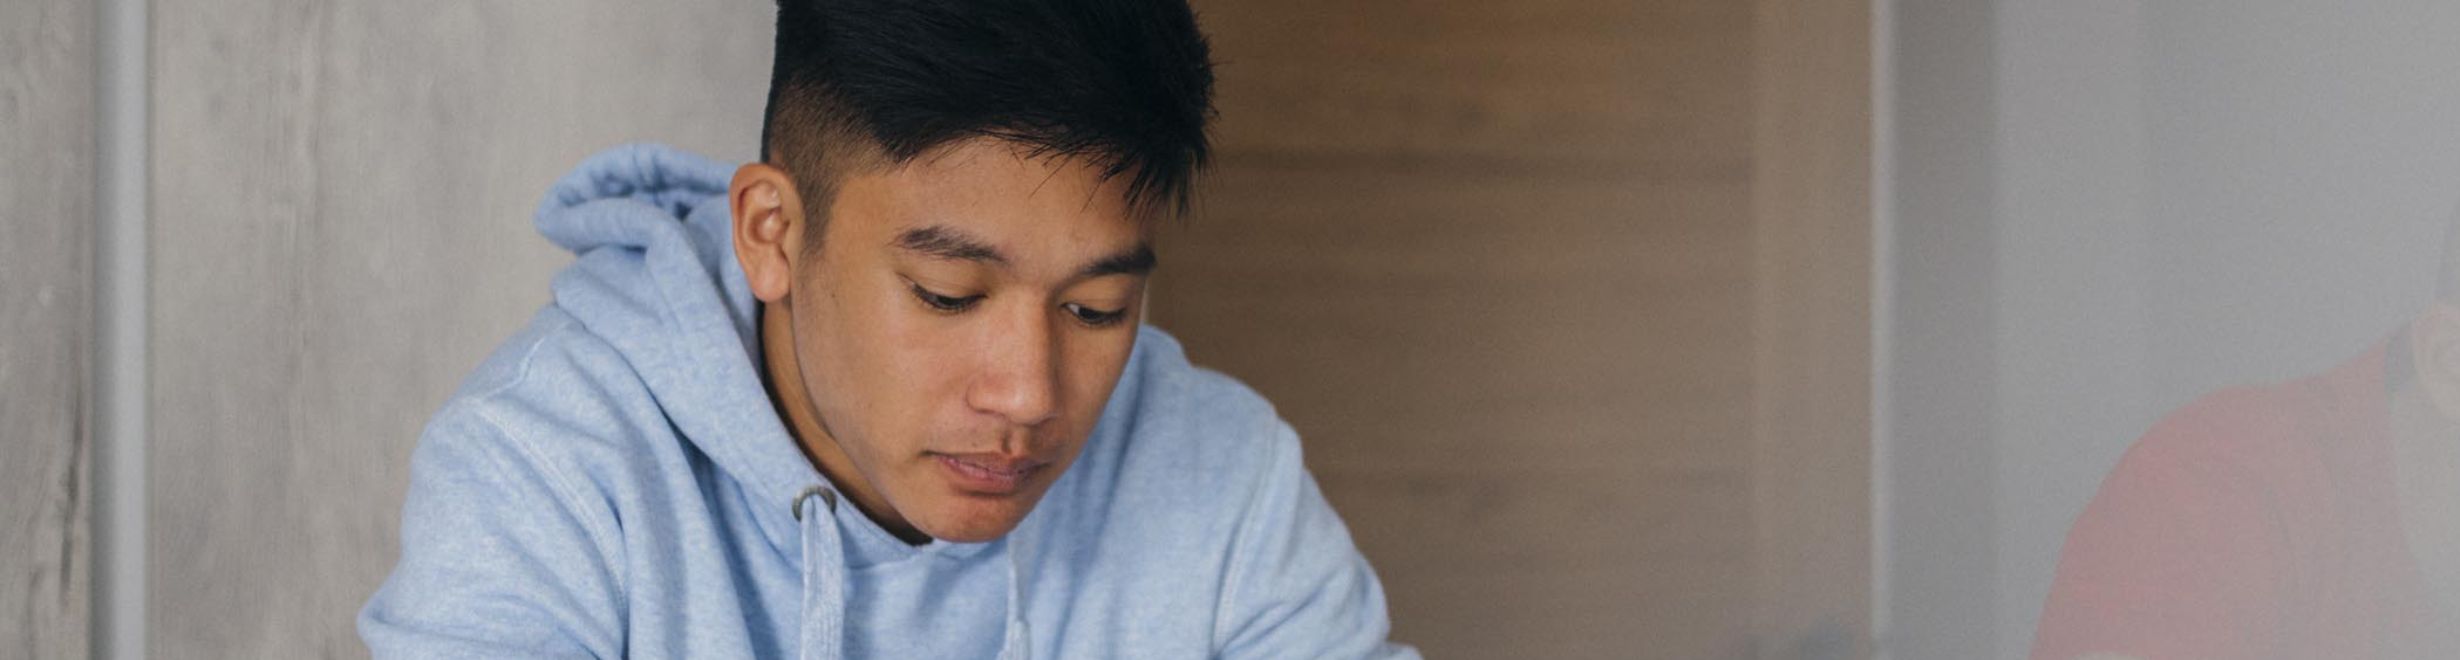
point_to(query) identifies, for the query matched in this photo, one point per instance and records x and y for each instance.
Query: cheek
(864, 362)
(921, 353)
(916, 366)
(1094, 368)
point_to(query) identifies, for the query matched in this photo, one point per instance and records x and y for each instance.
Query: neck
(787, 394)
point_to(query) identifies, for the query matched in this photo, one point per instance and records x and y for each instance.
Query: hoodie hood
(657, 279)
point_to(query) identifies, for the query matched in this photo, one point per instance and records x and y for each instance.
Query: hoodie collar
(821, 524)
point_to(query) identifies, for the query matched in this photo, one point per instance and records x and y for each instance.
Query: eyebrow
(943, 242)
(946, 243)
(1137, 260)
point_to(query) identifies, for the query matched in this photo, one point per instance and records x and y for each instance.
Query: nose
(1019, 380)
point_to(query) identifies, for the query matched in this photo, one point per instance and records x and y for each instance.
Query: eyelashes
(1095, 317)
(944, 304)
(953, 305)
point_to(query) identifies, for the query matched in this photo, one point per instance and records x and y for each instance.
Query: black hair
(867, 83)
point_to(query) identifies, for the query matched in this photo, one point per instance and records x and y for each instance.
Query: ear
(2434, 348)
(769, 229)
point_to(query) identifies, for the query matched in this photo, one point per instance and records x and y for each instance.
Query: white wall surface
(2070, 241)
(2181, 196)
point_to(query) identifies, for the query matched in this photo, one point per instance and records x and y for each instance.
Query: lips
(988, 474)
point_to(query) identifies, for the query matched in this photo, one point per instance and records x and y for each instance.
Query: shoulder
(1177, 441)
(1166, 382)
(554, 403)
(2221, 484)
(2252, 436)
(555, 376)
(1192, 415)
(2184, 541)
(2228, 469)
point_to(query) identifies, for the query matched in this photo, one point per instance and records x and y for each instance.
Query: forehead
(1033, 208)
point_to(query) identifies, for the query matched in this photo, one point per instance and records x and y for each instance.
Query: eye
(1094, 317)
(944, 304)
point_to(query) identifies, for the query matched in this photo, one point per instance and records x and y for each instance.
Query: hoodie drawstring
(1014, 647)
(824, 583)
(824, 575)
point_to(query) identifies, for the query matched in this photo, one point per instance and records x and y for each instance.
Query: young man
(2317, 518)
(885, 393)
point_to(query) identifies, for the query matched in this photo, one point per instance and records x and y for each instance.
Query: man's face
(961, 327)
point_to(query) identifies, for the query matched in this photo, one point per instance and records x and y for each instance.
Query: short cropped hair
(861, 84)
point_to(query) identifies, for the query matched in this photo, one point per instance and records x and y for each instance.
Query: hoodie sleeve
(496, 561)
(1296, 586)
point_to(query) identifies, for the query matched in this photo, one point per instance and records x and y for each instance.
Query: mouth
(988, 473)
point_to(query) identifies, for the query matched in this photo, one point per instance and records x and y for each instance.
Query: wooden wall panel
(341, 230)
(47, 71)
(1535, 433)
(1521, 273)
(1562, 83)
(1495, 262)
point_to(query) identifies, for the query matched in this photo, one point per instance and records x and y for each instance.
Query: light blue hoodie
(613, 482)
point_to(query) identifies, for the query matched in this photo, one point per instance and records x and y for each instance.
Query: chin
(975, 522)
(969, 535)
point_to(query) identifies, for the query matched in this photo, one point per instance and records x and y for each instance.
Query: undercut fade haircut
(862, 84)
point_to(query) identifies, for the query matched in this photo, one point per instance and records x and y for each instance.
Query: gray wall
(2110, 208)
(340, 231)
(2071, 370)
(47, 70)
